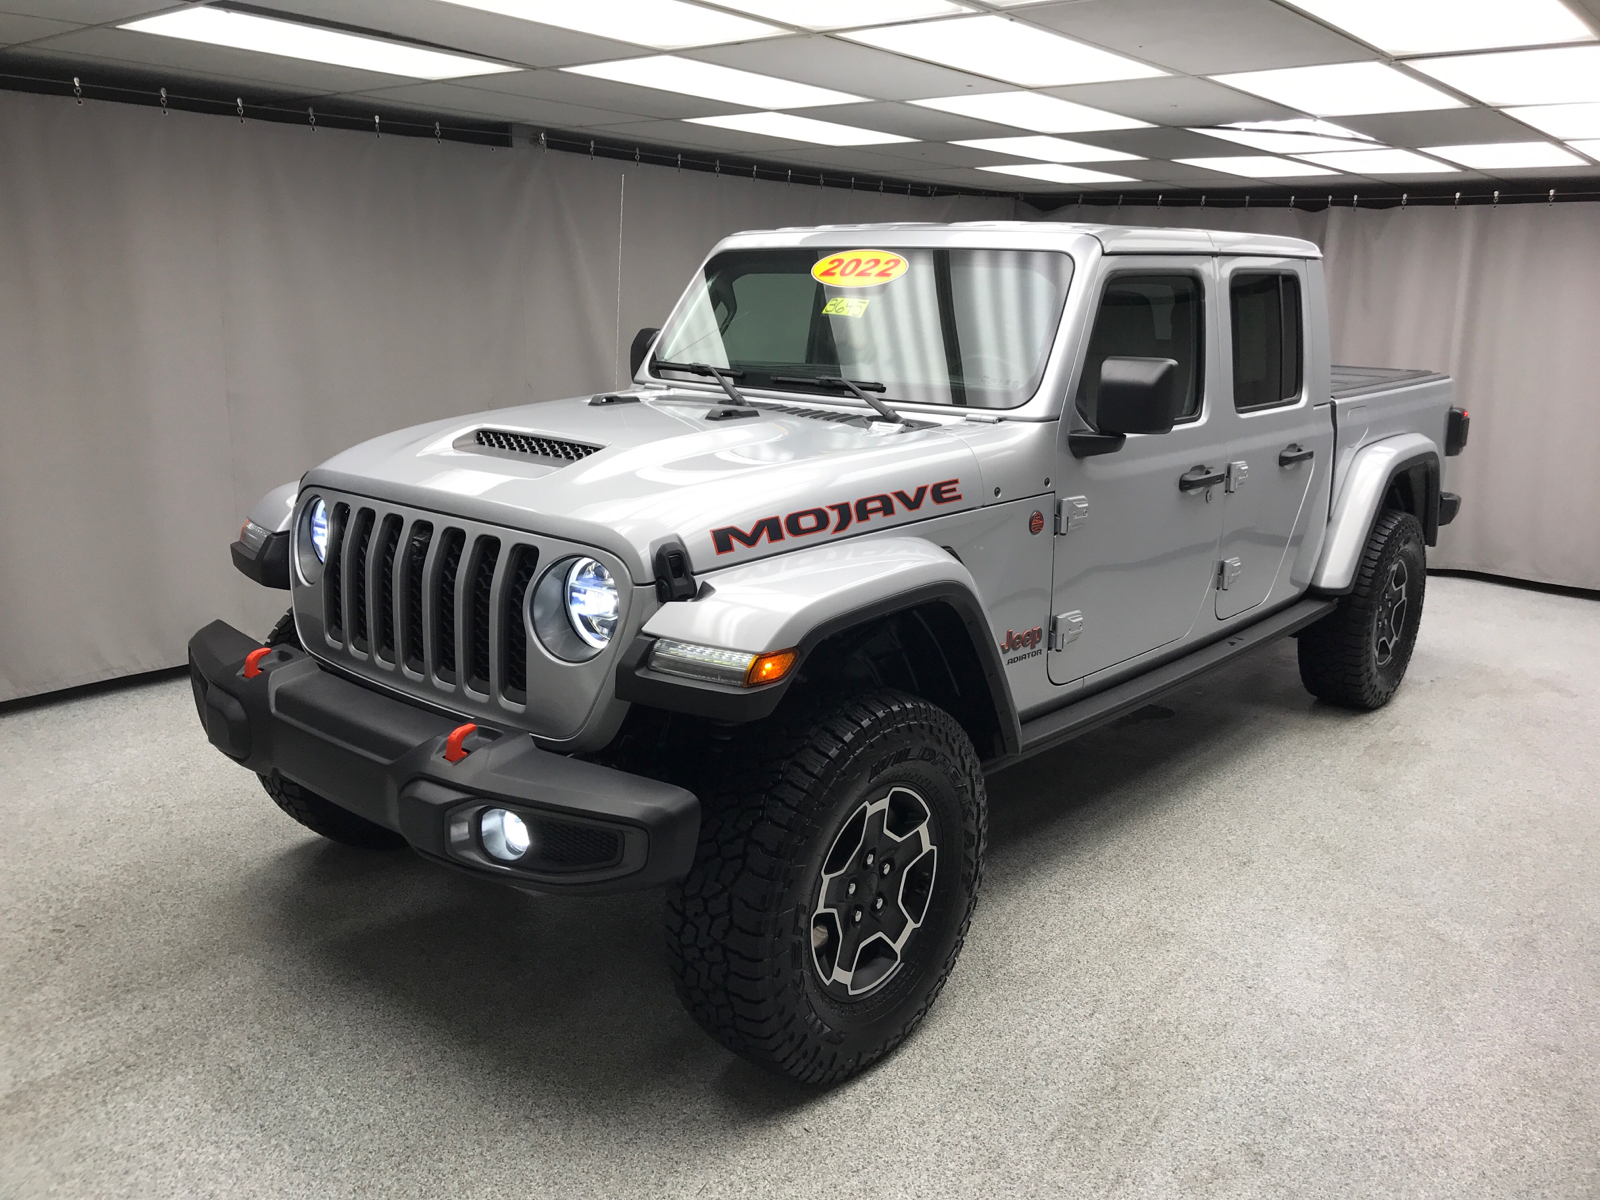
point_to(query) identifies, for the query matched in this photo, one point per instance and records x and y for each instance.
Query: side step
(1066, 723)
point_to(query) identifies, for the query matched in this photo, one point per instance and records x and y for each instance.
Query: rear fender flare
(1371, 472)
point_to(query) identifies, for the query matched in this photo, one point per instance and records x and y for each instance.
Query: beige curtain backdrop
(194, 310)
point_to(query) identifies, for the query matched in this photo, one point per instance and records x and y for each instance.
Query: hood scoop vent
(816, 414)
(556, 452)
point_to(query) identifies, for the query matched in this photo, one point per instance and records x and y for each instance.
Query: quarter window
(1147, 316)
(1267, 357)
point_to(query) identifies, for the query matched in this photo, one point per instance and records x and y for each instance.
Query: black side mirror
(1138, 395)
(640, 347)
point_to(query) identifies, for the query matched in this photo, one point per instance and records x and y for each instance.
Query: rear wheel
(323, 816)
(1357, 655)
(834, 883)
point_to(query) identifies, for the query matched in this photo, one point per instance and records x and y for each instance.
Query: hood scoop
(505, 443)
(815, 414)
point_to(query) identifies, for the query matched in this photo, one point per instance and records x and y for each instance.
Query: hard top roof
(1114, 239)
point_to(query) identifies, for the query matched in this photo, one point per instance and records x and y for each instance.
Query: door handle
(1293, 453)
(1196, 478)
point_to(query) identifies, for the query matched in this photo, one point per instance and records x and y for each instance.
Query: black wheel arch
(1413, 487)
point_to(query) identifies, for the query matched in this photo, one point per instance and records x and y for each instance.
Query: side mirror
(640, 347)
(1138, 395)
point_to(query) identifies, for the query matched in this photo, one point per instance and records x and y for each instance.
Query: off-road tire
(284, 633)
(327, 818)
(739, 927)
(1356, 656)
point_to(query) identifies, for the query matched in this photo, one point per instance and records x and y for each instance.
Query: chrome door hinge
(1228, 572)
(1064, 628)
(1236, 475)
(1071, 513)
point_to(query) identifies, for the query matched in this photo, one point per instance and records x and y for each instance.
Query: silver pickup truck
(885, 509)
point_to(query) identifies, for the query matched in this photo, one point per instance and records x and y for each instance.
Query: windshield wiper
(859, 386)
(723, 375)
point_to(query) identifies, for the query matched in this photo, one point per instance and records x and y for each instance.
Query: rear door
(1135, 553)
(1278, 440)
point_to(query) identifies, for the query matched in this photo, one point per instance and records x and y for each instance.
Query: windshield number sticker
(845, 306)
(859, 268)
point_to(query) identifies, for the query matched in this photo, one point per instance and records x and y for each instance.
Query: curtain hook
(312, 113)
(636, 154)
(438, 134)
(591, 148)
(163, 102)
(238, 103)
(544, 144)
(1552, 199)
(77, 89)
(1497, 199)
(377, 126)
(1202, 200)
(1403, 198)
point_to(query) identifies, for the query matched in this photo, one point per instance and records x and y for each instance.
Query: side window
(1267, 360)
(1147, 316)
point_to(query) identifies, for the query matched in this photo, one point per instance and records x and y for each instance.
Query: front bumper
(596, 829)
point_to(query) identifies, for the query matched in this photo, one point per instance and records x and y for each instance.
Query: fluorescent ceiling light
(1499, 156)
(1591, 147)
(1569, 75)
(1255, 166)
(664, 24)
(1275, 142)
(1030, 110)
(1440, 26)
(843, 14)
(1380, 162)
(687, 77)
(1564, 121)
(1050, 149)
(1057, 173)
(1004, 49)
(801, 129)
(290, 39)
(1301, 125)
(1342, 89)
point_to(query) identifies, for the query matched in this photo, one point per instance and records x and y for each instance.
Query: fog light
(505, 835)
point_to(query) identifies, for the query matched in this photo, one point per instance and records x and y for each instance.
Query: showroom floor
(1238, 945)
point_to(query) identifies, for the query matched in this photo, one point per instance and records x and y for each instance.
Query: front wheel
(1357, 655)
(834, 882)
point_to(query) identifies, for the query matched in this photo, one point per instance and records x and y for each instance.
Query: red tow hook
(252, 661)
(453, 752)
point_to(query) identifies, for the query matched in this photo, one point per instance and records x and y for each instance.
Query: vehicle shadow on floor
(570, 998)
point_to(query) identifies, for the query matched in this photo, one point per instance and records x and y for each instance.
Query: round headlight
(592, 602)
(319, 529)
(505, 835)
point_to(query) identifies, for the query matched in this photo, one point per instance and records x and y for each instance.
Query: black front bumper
(595, 829)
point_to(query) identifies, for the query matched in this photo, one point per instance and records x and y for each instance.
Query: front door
(1278, 442)
(1136, 551)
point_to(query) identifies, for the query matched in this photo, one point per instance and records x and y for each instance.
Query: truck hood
(732, 490)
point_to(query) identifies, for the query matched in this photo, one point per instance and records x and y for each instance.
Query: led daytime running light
(712, 664)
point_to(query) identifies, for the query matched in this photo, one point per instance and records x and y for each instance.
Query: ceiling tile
(292, 75)
(699, 138)
(86, 12)
(15, 28)
(942, 154)
(466, 29)
(566, 88)
(1447, 127)
(495, 106)
(907, 120)
(1175, 100)
(1153, 143)
(846, 67)
(1201, 39)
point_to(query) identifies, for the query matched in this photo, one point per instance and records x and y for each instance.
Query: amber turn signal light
(769, 668)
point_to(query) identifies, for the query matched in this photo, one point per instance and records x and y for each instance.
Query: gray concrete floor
(1244, 945)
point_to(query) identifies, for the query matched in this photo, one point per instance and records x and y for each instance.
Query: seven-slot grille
(428, 600)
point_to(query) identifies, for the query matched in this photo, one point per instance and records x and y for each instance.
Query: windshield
(932, 326)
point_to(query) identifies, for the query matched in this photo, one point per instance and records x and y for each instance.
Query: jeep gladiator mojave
(885, 509)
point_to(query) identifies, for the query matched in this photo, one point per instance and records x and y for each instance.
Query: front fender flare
(1367, 480)
(794, 601)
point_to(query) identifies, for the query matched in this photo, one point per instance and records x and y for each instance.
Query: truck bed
(1358, 381)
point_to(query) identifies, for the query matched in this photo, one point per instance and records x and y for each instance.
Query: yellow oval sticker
(858, 268)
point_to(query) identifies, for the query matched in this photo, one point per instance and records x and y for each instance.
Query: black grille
(568, 845)
(388, 544)
(333, 572)
(531, 444)
(485, 553)
(520, 574)
(416, 558)
(445, 602)
(360, 542)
